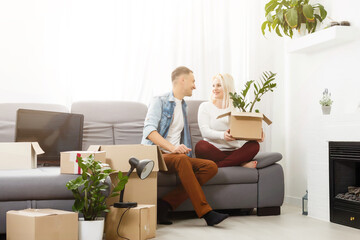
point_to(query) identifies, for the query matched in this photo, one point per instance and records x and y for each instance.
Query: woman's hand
(228, 137)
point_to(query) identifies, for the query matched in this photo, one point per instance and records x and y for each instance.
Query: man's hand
(182, 149)
(228, 137)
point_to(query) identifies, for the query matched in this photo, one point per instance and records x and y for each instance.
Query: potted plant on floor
(326, 102)
(89, 191)
(292, 14)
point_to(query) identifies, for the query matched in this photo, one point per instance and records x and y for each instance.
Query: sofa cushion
(267, 159)
(111, 122)
(226, 175)
(35, 184)
(234, 175)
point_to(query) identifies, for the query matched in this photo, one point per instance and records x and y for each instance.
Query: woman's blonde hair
(227, 83)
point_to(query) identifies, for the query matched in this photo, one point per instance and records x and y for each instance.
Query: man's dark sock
(163, 208)
(212, 218)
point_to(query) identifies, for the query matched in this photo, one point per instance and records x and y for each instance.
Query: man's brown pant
(193, 172)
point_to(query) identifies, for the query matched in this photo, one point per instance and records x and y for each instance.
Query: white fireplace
(328, 128)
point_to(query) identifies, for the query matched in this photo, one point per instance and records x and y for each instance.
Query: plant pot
(326, 110)
(91, 230)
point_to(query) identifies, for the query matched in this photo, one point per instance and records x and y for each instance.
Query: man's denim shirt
(159, 117)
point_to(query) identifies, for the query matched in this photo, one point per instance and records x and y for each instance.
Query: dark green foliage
(89, 188)
(260, 88)
(290, 14)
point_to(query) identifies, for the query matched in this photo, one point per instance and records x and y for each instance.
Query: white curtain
(65, 51)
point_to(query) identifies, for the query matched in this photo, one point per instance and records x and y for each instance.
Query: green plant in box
(260, 88)
(290, 14)
(89, 189)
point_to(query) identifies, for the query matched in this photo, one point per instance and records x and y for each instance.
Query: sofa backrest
(193, 106)
(8, 116)
(111, 122)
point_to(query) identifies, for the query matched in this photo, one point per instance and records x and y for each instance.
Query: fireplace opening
(344, 182)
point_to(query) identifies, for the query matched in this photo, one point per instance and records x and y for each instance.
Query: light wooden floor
(291, 224)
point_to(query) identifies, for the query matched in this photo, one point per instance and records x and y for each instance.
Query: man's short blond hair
(180, 71)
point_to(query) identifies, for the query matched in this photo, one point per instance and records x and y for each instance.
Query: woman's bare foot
(251, 164)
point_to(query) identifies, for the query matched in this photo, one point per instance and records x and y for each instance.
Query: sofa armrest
(267, 159)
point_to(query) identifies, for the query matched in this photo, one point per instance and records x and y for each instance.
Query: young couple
(166, 126)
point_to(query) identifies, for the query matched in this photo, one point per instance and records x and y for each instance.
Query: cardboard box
(41, 224)
(136, 190)
(137, 223)
(68, 161)
(245, 125)
(19, 155)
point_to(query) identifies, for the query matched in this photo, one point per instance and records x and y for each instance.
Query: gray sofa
(109, 123)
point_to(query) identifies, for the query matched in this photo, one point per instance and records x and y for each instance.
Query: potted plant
(292, 14)
(89, 191)
(326, 102)
(260, 88)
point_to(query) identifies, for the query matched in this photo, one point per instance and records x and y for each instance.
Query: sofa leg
(268, 211)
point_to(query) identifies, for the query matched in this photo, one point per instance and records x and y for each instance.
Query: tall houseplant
(291, 14)
(89, 191)
(260, 88)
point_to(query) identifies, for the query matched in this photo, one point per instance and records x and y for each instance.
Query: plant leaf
(291, 17)
(308, 12)
(263, 26)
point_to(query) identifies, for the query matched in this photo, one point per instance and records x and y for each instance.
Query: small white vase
(91, 230)
(326, 110)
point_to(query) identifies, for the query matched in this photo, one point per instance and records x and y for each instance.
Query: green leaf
(323, 12)
(257, 110)
(291, 17)
(293, 2)
(263, 26)
(269, 18)
(280, 16)
(270, 6)
(308, 12)
(277, 30)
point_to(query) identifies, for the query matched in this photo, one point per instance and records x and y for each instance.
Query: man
(166, 126)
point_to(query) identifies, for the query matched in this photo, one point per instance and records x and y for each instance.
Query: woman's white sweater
(212, 129)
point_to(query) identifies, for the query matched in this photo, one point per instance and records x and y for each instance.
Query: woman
(218, 144)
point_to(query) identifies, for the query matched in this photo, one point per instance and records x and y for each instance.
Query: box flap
(94, 148)
(267, 120)
(37, 148)
(30, 212)
(162, 164)
(246, 114)
(223, 115)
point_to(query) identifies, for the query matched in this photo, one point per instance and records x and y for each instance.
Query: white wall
(307, 75)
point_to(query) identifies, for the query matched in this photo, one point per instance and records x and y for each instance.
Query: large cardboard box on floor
(41, 224)
(68, 160)
(246, 125)
(137, 223)
(19, 155)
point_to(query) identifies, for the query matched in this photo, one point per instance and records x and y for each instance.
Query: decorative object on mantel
(292, 14)
(326, 102)
(305, 204)
(342, 23)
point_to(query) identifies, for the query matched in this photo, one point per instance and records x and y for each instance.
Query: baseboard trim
(293, 201)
